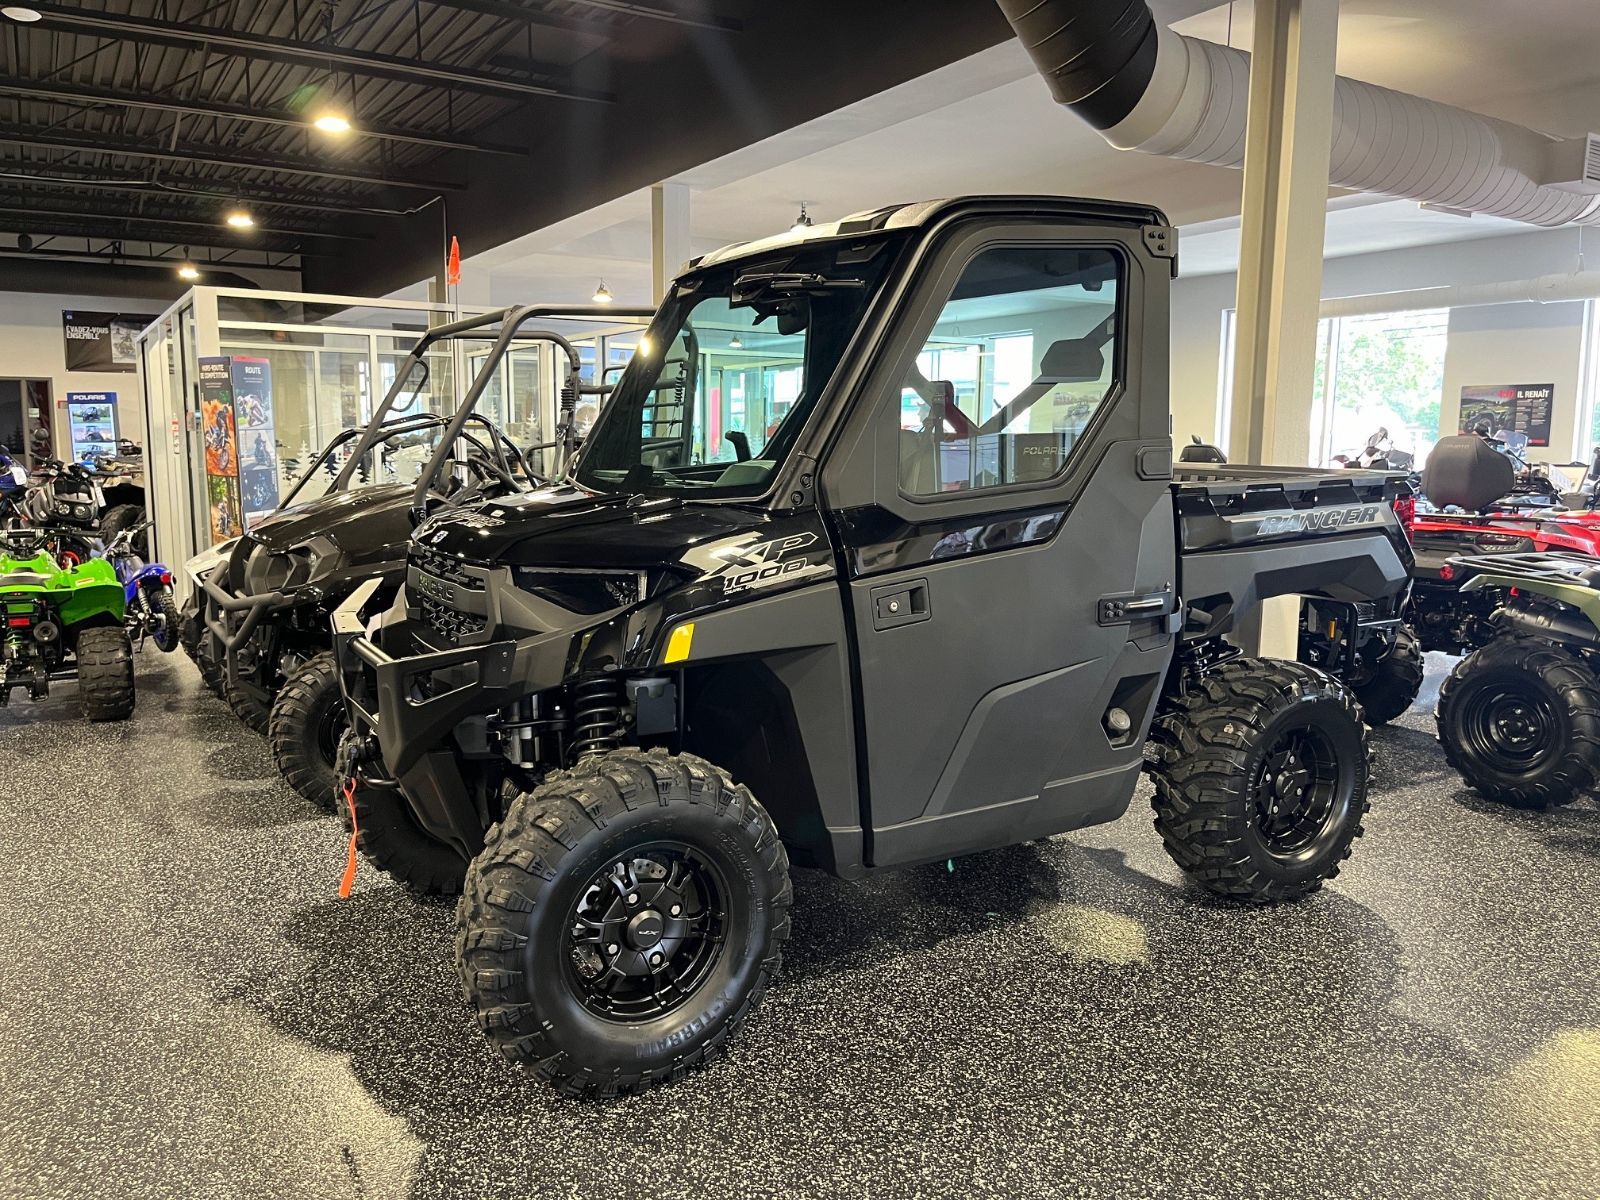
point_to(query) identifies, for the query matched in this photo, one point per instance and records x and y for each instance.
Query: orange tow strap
(349, 880)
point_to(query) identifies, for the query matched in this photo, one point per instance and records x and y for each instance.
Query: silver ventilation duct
(1149, 89)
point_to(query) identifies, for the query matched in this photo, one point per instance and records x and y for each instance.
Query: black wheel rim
(330, 728)
(1509, 728)
(1297, 790)
(646, 932)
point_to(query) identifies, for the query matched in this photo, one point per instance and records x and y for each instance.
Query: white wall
(1511, 343)
(31, 347)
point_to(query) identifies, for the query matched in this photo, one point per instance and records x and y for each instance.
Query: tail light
(1405, 509)
(1447, 572)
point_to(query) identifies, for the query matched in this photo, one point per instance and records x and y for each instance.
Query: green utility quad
(62, 624)
(1520, 718)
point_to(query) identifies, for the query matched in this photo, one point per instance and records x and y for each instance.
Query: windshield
(722, 384)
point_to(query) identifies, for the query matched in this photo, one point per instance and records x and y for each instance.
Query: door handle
(1127, 607)
(897, 604)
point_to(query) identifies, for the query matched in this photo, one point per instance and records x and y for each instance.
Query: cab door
(1002, 501)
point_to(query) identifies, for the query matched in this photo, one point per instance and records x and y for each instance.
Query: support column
(669, 235)
(1288, 140)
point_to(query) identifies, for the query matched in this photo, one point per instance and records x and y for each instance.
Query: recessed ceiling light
(20, 12)
(331, 122)
(240, 219)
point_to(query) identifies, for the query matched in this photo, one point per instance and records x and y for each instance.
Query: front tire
(622, 921)
(1520, 720)
(1389, 686)
(304, 728)
(393, 842)
(105, 674)
(1261, 779)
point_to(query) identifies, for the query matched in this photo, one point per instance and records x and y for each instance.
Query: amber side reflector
(679, 644)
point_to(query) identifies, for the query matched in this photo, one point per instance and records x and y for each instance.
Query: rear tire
(1520, 720)
(171, 631)
(1390, 686)
(564, 980)
(1261, 779)
(304, 728)
(105, 674)
(124, 516)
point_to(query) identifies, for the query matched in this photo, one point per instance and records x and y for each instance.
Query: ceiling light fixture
(602, 294)
(20, 12)
(240, 218)
(734, 343)
(331, 122)
(802, 222)
(187, 271)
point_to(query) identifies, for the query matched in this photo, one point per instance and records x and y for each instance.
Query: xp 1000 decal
(750, 561)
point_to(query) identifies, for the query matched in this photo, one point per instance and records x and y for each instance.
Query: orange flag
(452, 274)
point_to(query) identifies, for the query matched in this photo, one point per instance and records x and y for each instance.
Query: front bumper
(429, 709)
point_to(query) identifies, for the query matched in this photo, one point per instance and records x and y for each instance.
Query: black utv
(948, 595)
(259, 626)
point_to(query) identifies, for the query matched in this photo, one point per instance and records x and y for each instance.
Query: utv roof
(925, 212)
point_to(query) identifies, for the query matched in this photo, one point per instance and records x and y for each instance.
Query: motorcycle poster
(1517, 414)
(257, 436)
(219, 437)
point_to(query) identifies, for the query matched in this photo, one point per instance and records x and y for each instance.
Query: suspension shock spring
(596, 717)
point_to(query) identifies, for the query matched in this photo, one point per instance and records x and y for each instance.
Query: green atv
(62, 623)
(1520, 718)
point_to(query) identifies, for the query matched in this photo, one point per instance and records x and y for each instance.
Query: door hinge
(1162, 241)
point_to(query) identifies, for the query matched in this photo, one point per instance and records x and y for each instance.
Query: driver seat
(1464, 470)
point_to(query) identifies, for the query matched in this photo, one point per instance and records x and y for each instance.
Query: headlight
(584, 591)
(270, 571)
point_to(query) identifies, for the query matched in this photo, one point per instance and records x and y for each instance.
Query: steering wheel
(487, 467)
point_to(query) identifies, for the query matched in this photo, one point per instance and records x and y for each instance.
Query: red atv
(1501, 514)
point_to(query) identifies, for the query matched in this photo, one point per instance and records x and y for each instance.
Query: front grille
(448, 622)
(443, 566)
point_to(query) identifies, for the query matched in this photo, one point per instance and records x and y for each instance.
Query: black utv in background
(952, 596)
(259, 622)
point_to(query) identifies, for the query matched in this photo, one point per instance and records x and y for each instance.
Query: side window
(1019, 361)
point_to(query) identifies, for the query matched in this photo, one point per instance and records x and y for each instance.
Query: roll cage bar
(511, 321)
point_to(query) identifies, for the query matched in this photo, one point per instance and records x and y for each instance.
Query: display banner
(92, 423)
(221, 442)
(1515, 413)
(257, 430)
(102, 341)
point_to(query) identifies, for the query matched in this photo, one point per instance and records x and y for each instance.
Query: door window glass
(1022, 356)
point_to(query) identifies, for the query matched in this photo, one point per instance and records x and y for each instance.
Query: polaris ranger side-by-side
(946, 595)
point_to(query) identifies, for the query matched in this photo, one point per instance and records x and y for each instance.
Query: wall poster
(92, 423)
(1515, 413)
(253, 419)
(218, 435)
(102, 341)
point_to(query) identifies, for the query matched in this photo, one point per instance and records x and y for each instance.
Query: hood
(564, 526)
(366, 523)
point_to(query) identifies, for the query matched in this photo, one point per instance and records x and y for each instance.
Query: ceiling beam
(321, 56)
(19, 206)
(58, 139)
(510, 10)
(64, 94)
(106, 256)
(76, 177)
(143, 232)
